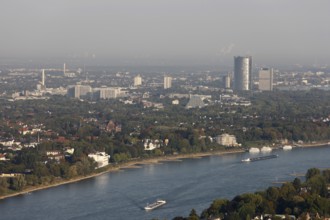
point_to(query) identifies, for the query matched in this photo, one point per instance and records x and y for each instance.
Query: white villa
(227, 140)
(101, 158)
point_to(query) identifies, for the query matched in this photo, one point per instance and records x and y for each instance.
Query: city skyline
(167, 32)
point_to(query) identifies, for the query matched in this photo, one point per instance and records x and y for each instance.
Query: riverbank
(136, 163)
(314, 144)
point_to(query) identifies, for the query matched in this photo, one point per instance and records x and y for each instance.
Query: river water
(185, 184)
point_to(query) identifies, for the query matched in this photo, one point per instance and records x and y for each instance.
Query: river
(185, 184)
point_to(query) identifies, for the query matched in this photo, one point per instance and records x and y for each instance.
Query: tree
(287, 191)
(72, 171)
(247, 209)
(55, 169)
(272, 193)
(120, 157)
(85, 166)
(17, 183)
(31, 180)
(40, 170)
(296, 183)
(4, 185)
(317, 185)
(312, 172)
(326, 174)
(217, 207)
(233, 216)
(193, 215)
(28, 157)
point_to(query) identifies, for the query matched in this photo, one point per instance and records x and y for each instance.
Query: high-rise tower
(266, 79)
(226, 80)
(43, 78)
(138, 80)
(242, 73)
(41, 85)
(167, 82)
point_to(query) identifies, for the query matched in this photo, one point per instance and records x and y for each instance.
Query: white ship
(266, 149)
(287, 147)
(154, 205)
(254, 150)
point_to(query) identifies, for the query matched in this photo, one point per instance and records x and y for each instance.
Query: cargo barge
(253, 159)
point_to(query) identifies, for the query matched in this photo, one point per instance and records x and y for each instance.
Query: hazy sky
(167, 31)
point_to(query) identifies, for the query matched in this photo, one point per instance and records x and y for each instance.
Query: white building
(67, 74)
(195, 101)
(266, 79)
(175, 102)
(151, 144)
(227, 81)
(167, 82)
(2, 157)
(79, 90)
(101, 158)
(7, 143)
(108, 92)
(69, 150)
(138, 80)
(227, 140)
(53, 153)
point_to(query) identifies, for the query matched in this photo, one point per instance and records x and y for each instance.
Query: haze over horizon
(171, 32)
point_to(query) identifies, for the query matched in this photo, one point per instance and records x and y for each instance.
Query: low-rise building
(2, 157)
(151, 144)
(7, 143)
(101, 158)
(227, 140)
(55, 155)
(175, 102)
(195, 101)
(69, 150)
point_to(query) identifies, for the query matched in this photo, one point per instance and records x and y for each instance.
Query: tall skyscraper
(266, 79)
(167, 82)
(242, 73)
(226, 80)
(138, 80)
(41, 85)
(43, 78)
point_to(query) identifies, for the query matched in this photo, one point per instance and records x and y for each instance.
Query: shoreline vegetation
(135, 163)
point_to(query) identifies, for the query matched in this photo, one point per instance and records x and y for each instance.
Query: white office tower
(266, 79)
(64, 69)
(167, 82)
(41, 84)
(43, 78)
(227, 81)
(242, 73)
(137, 80)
